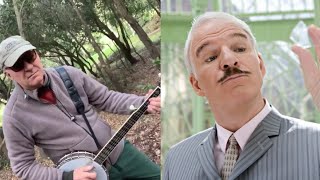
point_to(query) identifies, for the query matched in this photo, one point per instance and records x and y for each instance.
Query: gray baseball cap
(11, 49)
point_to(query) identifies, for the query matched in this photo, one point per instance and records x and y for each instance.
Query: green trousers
(133, 164)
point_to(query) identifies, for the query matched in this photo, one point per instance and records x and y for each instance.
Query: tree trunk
(124, 49)
(158, 3)
(3, 149)
(18, 17)
(3, 89)
(123, 12)
(96, 48)
(154, 7)
(84, 62)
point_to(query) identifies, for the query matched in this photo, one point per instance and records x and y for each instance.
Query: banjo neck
(104, 153)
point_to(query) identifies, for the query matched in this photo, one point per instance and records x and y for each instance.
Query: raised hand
(311, 71)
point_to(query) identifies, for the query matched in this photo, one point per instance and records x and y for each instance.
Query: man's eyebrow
(200, 48)
(237, 35)
(240, 35)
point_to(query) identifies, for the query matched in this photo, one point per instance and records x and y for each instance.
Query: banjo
(79, 159)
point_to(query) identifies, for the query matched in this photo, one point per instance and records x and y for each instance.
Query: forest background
(115, 42)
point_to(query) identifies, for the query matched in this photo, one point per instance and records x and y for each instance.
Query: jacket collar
(206, 157)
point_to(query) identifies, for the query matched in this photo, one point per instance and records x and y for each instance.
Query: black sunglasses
(28, 56)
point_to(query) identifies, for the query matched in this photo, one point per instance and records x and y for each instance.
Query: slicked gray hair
(211, 16)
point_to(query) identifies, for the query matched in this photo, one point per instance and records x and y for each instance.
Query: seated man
(250, 139)
(40, 112)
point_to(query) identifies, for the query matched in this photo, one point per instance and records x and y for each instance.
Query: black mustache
(232, 71)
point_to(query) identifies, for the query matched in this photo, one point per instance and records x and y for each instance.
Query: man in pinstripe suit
(226, 68)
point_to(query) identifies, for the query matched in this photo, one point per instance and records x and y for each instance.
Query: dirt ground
(145, 134)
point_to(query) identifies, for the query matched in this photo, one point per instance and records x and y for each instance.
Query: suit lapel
(205, 155)
(258, 143)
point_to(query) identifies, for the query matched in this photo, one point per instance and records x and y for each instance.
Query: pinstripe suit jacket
(280, 148)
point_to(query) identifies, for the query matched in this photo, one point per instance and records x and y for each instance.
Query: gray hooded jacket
(29, 121)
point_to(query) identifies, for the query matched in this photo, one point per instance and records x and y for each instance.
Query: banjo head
(70, 164)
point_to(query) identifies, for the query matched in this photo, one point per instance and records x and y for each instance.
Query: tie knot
(232, 140)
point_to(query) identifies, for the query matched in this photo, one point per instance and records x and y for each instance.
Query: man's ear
(261, 64)
(195, 85)
(7, 74)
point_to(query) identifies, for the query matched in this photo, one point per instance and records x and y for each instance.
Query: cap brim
(12, 59)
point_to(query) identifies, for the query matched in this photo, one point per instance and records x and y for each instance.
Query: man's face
(31, 76)
(226, 67)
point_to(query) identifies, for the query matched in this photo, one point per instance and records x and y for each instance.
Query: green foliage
(108, 51)
(139, 9)
(155, 37)
(4, 162)
(54, 27)
(145, 87)
(8, 24)
(157, 62)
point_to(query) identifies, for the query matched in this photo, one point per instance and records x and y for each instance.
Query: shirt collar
(242, 135)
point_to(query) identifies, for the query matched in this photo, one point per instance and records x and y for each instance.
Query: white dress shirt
(242, 135)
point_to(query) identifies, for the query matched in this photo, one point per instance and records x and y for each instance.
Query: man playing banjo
(40, 112)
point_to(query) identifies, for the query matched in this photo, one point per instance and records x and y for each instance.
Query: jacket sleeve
(21, 153)
(103, 98)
